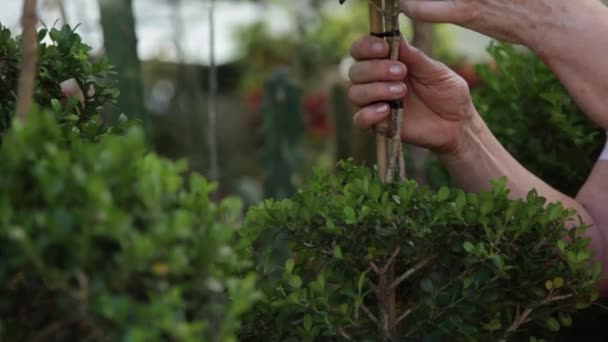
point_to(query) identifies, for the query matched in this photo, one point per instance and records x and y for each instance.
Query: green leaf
(443, 194)
(468, 247)
(289, 265)
(427, 285)
(295, 281)
(338, 252)
(552, 324)
(349, 215)
(307, 322)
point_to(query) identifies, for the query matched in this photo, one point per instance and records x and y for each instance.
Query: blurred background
(253, 92)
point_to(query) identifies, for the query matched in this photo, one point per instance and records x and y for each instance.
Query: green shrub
(476, 267)
(66, 57)
(534, 117)
(104, 242)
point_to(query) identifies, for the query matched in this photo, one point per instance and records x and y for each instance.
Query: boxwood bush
(104, 242)
(99, 239)
(466, 267)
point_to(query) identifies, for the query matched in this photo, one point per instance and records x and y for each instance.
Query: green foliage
(105, 242)
(66, 57)
(534, 117)
(480, 264)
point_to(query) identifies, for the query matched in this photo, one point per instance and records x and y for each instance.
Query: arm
(594, 194)
(481, 158)
(571, 37)
(575, 45)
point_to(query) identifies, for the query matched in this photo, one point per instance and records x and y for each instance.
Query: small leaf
(307, 322)
(289, 265)
(558, 282)
(552, 324)
(443, 193)
(295, 281)
(338, 252)
(427, 285)
(469, 247)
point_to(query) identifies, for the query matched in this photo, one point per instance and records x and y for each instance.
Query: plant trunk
(29, 50)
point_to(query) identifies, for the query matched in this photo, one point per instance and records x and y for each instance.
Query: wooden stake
(29, 51)
(376, 23)
(396, 159)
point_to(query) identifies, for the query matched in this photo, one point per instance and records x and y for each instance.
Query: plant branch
(402, 317)
(524, 317)
(371, 316)
(29, 50)
(412, 270)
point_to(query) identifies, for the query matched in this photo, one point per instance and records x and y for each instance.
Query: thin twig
(391, 260)
(369, 314)
(412, 270)
(374, 267)
(524, 317)
(402, 317)
(344, 334)
(29, 49)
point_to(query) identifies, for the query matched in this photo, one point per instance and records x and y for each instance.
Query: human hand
(510, 21)
(70, 89)
(437, 103)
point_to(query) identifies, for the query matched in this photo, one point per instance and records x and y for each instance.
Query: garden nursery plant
(357, 256)
(100, 239)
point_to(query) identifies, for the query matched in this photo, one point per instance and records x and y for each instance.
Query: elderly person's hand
(438, 107)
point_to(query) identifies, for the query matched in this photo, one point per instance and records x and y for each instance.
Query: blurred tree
(283, 131)
(120, 43)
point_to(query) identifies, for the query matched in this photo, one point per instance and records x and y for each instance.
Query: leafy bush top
(103, 241)
(472, 267)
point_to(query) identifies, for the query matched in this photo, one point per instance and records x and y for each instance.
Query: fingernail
(377, 47)
(382, 108)
(396, 88)
(396, 69)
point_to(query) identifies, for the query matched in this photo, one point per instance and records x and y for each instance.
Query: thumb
(418, 63)
(434, 11)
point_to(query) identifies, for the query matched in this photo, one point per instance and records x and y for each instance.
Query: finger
(364, 94)
(70, 88)
(418, 63)
(377, 71)
(370, 116)
(369, 47)
(436, 11)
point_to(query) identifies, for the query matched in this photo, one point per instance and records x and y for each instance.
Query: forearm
(482, 158)
(594, 197)
(573, 42)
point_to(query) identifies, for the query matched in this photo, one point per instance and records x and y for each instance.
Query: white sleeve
(604, 155)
